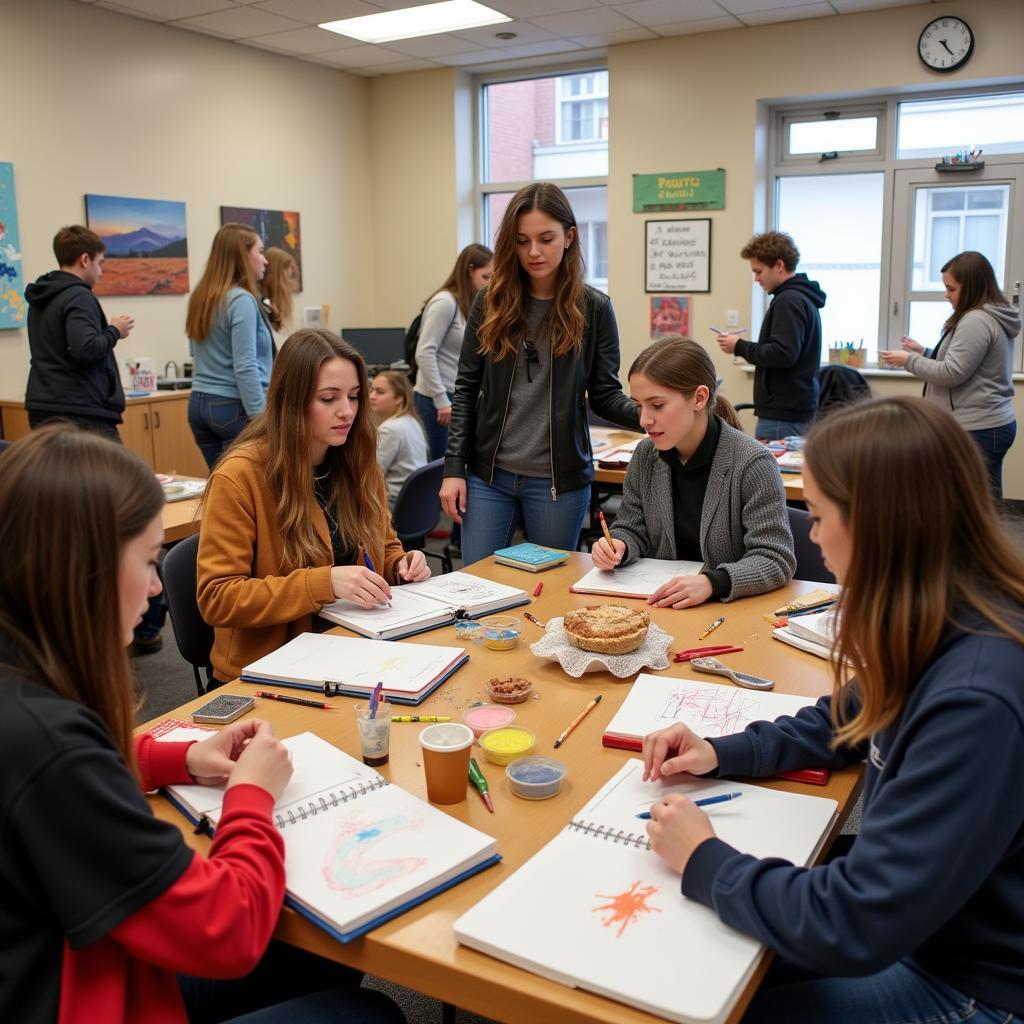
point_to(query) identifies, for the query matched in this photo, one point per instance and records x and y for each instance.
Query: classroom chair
(418, 511)
(191, 633)
(4, 445)
(809, 563)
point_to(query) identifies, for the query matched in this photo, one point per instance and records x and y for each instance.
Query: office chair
(191, 633)
(809, 563)
(418, 510)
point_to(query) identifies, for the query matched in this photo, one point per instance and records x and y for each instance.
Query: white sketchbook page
(355, 662)
(407, 609)
(709, 709)
(819, 627)
(641, 579)
(361, 859)
(464, 590)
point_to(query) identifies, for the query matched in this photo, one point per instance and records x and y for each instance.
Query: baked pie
(606, 628)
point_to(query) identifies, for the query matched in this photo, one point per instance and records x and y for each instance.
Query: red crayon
(537, 589)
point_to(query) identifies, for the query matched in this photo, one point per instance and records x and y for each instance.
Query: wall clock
(946, 44)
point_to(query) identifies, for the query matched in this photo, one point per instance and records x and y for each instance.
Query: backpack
(412, 339)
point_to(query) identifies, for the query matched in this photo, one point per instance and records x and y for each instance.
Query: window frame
(562, 101)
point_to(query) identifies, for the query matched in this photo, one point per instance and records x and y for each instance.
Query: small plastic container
(468, 631)
(509, 689)
(487, 716)
(506, 744)
(535, 778)
(502, 632)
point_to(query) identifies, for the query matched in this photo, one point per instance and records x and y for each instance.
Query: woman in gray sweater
(698, 489)
(970, 370)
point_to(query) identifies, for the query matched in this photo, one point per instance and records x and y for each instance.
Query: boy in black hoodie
(787, 353)
(74, 373)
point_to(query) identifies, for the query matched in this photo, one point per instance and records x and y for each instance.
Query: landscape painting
(147, 247)
(12, 305)
(279, 228)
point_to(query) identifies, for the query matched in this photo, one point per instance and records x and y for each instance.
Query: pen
(576, 721)
(811, 609)
(714, 625)
(477, 778)
(294, 700)
(375, 699)
(704, 802)
(537, 589)
(368, 562)
(533, 619)
(420, 718)
(735, 330)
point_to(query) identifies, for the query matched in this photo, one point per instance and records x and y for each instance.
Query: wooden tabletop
(181, 518)
(418, 949)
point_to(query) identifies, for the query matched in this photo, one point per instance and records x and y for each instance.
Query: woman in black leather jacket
(538, 343)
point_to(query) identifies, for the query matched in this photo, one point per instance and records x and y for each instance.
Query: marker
(705, 802)
(368, 562)
(375, 699)
(420, 718)
(714, 625)
(533, 619)
(735, 330)
(537, 589)
(477, 778)
(294, 700)
(576, 721)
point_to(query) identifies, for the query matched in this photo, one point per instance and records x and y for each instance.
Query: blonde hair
(276, 287)
(228, 267)
(401, 388)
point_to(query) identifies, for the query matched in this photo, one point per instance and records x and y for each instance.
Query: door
(174, 447)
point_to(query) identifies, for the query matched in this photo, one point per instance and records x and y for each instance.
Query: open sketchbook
(352, 666)
(641, 579)
(709, 709)
(416, 607)
(596, 909)
(358, 851)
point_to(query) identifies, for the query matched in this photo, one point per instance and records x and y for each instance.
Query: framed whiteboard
(677, 255)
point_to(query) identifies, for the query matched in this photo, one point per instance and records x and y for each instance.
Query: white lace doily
(555, 646)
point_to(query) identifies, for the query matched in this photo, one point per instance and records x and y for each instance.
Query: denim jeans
(994, 444)
(494, 511)
(901, 994)
(437, 436)
(776, 430)
(215, 423)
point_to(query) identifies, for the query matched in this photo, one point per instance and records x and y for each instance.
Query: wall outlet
(312, 316)
(732, 318)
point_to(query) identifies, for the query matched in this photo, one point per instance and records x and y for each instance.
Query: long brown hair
(927, 546)
(459, 282)
(978, 285)
(70, 501)
(283, 431)
(228, 267)
(276, 287)
(508, 293)
(681, 364)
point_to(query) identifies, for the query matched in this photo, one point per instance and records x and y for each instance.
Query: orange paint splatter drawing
(626, 907)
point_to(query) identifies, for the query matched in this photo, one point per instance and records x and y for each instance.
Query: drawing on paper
(464, 587)
(12, 284)
(711, 711)
(350, 867)
(626, 907)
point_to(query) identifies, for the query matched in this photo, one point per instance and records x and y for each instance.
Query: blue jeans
(994, 443)
(437, 436)
(776, 430)
(215, 423)
(494, 511)
(901, 994)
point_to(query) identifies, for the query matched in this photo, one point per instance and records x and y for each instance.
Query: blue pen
(736, 330)
(375, 698)
(705, 802)
(368, 562)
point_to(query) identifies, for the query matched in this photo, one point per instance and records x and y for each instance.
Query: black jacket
(73, 366)
(483, 385)
(787, 353)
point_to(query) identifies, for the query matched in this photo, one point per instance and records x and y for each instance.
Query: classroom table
(181, 518)
(418, 949)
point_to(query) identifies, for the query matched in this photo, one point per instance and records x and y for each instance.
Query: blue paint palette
(535, 778)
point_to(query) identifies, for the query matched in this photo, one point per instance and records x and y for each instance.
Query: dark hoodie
(73, 370)
(787, 353)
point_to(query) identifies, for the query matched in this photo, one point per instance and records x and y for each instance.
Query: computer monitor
(379, 346)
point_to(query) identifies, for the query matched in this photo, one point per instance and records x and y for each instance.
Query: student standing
(401, 443)
(923, 918)
(970, 370)
(539, 343)
(101, 930)
(698, 489)
(278, 286)
(231, 343)
(787, 353)
(295, 516)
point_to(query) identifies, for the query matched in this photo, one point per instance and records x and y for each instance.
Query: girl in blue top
(230, 340)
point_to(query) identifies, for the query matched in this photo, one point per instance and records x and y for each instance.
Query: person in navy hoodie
(922, 918)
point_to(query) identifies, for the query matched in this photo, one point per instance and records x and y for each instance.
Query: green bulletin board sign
(682, 190)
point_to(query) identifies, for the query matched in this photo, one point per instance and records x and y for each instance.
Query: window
(992, 123)
(583, 107)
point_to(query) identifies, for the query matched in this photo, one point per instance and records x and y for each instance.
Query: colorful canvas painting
(12, 283)
(278, 228)
(670, 315)
(147, 245)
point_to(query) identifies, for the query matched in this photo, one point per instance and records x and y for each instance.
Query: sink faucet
(168, 366)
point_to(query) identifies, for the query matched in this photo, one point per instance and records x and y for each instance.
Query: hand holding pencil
(607, 553)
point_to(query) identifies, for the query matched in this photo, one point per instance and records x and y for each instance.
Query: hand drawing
(712, 710)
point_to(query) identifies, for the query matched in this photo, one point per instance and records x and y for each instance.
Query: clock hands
(946, 45)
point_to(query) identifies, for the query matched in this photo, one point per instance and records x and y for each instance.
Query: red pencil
(537, 589)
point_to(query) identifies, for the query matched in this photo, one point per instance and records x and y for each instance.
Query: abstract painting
(12, 283)
(147, 245)
(278, 228)
(670, 315)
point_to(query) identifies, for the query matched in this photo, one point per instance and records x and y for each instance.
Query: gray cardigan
(744, 525)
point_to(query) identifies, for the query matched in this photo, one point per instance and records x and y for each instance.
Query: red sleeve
(161, 764)
(218, 917)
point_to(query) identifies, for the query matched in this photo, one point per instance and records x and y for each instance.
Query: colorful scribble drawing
(714, 711)
(350, 867)
(626, 907)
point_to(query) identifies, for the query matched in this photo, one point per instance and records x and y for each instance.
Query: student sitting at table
(699, 489)
(923, 918)
(295, 515)
(401, 442)
(106, 911)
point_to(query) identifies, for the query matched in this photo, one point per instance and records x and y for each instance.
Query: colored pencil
(714, 625)
(294, 700)
(576, 721)
(704, 802)
(368, 562)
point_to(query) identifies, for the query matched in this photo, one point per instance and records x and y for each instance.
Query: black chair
(191, 633)
(4, 445)
(809, 563)
(418, 510)
(840, 385)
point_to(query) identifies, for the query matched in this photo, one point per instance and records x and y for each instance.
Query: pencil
(576, 721)
(704, 802)
(368, 562)
(537, 589)
(534, 620)
(711, 628)
(294, 700)
(604, 529)
(420, 718)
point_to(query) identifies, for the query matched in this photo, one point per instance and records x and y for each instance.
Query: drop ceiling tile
(526, 32)
(542, 49)
(775, 15)
(585, 23)
(433, 46)
(852, 6)
(684, 28)
(313, 12)
(533, 8)
(299, 41)
(741, 8)
(239, 23)
(667, 12)
(472, 57)
(363, 55)
(165, 10)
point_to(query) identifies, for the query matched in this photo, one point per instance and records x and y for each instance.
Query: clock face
(946, 44)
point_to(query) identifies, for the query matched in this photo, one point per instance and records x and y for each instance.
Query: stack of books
(531, 557)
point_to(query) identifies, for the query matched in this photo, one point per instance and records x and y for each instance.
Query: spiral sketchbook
(641, 579)
(595, 909)
(358, 850)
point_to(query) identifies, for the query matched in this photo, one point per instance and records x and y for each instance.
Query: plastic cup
(447, 747)
(374, 733)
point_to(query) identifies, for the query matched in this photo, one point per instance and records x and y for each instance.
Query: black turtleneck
(343, 555)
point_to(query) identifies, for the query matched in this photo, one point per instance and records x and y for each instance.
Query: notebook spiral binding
(324, 802)
(640, 841)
